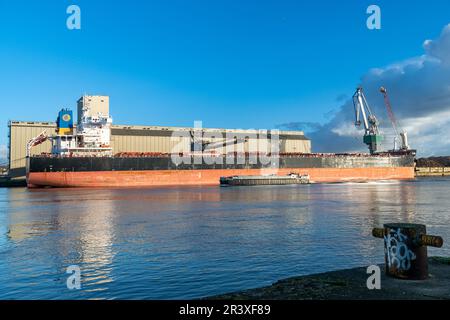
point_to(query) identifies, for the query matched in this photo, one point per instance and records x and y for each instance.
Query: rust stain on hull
(149, 178)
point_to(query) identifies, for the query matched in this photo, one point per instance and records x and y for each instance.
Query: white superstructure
(92, 137)
(94, 131)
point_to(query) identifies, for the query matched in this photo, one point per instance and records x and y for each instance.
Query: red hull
(205, 177)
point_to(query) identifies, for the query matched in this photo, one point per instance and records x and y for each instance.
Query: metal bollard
(405, 248)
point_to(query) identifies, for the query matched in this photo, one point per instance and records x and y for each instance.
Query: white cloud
(419, 89)
(346, 130)
(440, 48)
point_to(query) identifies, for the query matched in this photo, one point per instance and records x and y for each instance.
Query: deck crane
(41, 138)
(362, 110)
(205, 144)
(403, 135)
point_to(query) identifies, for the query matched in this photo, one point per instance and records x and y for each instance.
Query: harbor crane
(363, 113)
(403, 135)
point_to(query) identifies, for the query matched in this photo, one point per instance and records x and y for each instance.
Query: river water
(192, 242)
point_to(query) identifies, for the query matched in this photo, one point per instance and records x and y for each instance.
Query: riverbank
(351, 284)
(432, 171)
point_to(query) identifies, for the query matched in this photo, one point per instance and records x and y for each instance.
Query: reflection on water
(198, 241)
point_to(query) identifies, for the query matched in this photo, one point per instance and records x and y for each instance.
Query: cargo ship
(85, 159)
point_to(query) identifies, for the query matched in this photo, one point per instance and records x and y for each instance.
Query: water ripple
(181, 243)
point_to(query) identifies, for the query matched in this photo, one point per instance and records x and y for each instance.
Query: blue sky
(239, 64)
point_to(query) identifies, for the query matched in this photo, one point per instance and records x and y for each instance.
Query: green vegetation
(434, 162)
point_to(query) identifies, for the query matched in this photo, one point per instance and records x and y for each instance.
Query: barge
(264, 180)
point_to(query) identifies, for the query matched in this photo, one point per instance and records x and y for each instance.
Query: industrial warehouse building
(155, 139)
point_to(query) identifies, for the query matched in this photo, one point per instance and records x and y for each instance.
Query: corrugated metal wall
(129, 143)
(143, 139)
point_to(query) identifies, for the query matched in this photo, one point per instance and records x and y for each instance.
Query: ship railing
(106, 152)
